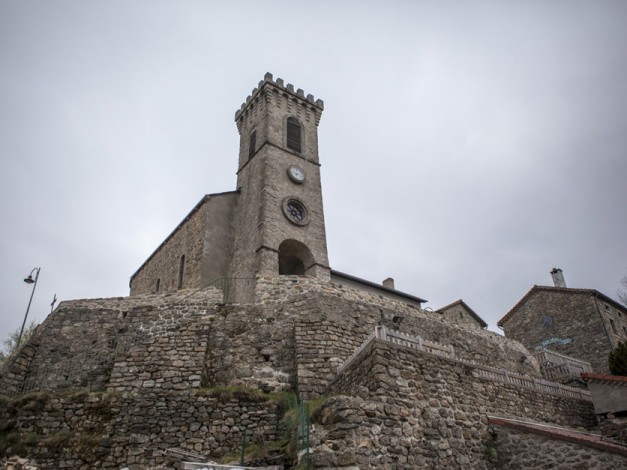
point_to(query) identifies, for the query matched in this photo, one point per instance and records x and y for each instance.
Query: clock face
(296, 174)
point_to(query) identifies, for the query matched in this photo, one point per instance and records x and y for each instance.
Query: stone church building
(272, 224)
(240, 347)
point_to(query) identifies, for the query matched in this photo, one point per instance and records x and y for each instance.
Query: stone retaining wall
(79, 343)
(521, 450)
(331, 322)
(417, 410)
(114, 431)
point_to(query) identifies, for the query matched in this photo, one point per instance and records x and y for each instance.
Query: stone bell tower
(279, 220)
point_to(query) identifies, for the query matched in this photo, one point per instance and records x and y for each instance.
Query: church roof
(566, 290)
(376, 286)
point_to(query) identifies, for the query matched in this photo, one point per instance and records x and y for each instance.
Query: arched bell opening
(294, 258)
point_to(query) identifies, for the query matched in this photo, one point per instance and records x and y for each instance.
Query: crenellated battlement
(285, 88)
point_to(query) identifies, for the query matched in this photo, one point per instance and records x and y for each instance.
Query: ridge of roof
(467, 307)
(374, 285)
(618, 379)
(567, 290)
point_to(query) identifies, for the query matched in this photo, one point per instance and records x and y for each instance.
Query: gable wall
(205, 238)
(572, 317)
(460, 316)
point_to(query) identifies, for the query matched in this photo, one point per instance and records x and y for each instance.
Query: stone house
(583, 323)
(459, 312)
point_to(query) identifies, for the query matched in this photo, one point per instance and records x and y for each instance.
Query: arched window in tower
(294, 258)
(252, 143)
(181, 271)
(293, 134)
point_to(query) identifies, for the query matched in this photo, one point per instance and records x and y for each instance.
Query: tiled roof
(468, 309)
(613, 379)
(566, 290)
(569, 435)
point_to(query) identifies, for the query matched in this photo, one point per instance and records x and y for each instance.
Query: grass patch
(224, 393)
(88, 447)
(256, 452)
(14, 443)
(34, 401)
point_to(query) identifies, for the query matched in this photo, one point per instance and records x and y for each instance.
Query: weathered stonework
(402, 409)
(577, 322)
(519, 450)
(135, 430)
(237, 315)
(204, 238)
(460, 313)
(261, 227)
(293, 337)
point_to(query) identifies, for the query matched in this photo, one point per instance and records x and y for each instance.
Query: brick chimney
(558, 277)
(389, 283)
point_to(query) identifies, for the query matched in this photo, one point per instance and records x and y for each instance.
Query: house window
(181, 270)
(158, 285)
(252, 142)
(461, 314)
(293, 134)
(613, 326)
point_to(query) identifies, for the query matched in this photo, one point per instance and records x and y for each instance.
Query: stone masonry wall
(82, 430)
(190, 338)
(416, 410)
(614, 320)
(253, 346)
(459, 315)
(168, 351)
(15, 369)
(334, 321)
(164, 264)
(571, 317)
(205, 237)
(260, 223)
(520, 450)
(79, 343)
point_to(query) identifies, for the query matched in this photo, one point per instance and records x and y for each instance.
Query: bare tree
(9, 344)
(622, 292)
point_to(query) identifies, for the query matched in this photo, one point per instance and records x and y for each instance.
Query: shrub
(618, 359)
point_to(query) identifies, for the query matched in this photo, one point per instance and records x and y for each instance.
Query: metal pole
(301, 413)
(307, 434)
(27, 309)
(243, 448)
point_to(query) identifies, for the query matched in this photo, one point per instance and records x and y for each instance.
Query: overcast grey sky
(467, 147)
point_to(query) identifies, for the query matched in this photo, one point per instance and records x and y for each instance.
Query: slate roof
(567, 290)
(379, 287)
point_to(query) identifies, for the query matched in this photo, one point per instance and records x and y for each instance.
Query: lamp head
(29, 279)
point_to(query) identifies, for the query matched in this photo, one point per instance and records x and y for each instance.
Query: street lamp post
(28, 280)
